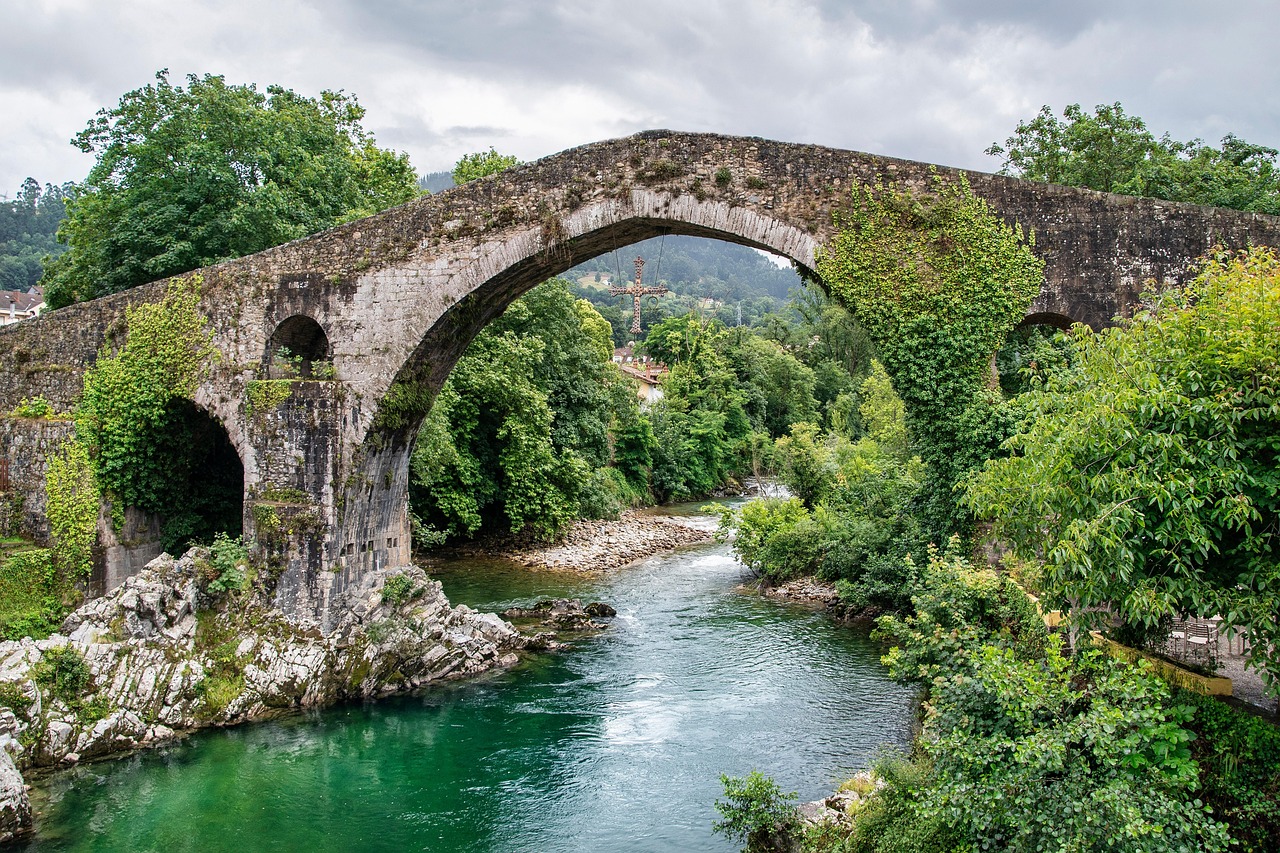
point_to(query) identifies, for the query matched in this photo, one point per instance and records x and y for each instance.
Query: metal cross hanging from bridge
(637, 291)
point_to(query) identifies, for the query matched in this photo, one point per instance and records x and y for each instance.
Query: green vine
(263, 395)
(938, 281)
(72, 509)
(127, 396)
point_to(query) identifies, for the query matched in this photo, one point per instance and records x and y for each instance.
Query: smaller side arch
(297, 346)
(1048, 318)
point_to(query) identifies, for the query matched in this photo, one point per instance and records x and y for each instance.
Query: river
(617, 745)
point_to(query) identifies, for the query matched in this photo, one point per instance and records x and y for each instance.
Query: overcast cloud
(922, 79)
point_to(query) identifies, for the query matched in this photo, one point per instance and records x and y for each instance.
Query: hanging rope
(658, 271)
(617, 267)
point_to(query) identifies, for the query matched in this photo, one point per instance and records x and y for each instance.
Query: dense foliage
(1023, 748)
(188, 177)
(28, 229)
(33, 596)
(480, 164)
(521, 433)
(1239, 758)
(1115, 152)
(72, 503)
(851, 518)
(756, 812)
(937, 280)
(1145, 474)
(149, 446)
(537, 426)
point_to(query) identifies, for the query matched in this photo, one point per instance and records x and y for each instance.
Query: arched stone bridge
(394, 300)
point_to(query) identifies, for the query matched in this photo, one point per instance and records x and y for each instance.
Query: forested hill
(695, 266)
(28, 224)
(434, 182)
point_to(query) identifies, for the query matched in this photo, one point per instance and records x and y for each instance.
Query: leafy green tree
(1145, 476)
(778, 387)
(757, 812)
(480, 164)
(486, 453)
(805, 463)
(532, 414)
(189, 177)
(1115, 152)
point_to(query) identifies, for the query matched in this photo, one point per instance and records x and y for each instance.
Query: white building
(16, 305)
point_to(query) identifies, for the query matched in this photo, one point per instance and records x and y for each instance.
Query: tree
(481, 164)
(529, 418)
(1114, 152)
(189, 177)
(1145, 473)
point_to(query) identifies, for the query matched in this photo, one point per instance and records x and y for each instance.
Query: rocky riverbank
(593, 546)
(161, 655)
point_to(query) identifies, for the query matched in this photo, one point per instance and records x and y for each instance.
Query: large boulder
(15, 806)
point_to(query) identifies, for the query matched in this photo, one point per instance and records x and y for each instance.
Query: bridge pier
(318, 520)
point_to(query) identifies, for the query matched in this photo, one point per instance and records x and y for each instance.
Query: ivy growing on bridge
(140, 430)
(938, 281)
(72, 504)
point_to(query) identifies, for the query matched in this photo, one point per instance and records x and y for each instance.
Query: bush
(959, 609)
(33, 407)
(605, 494)
(1239, 758)
(771, 536)
(227, 569)
(891, 821)
(31, 595)
(63, 673)
(397, 590)
(757, 812)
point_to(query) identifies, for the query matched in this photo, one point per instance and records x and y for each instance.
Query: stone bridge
(392, 301)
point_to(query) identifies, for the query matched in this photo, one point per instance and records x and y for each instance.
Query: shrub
(31, 595)
(605, 494)
(890, 821)
(13, 697)
(63, 673)
(958, 609)
(1239, 758)
(227, 569)
(757, 812)
(772, 537)
(397, 590)
(33, 407)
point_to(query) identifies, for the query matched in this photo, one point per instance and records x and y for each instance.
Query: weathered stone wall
(47, 355)
(25, 447)
(401, 294)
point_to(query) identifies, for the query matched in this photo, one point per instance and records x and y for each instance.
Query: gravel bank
(593, 546)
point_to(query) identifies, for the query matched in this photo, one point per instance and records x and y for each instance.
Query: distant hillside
(695, 266)
(434, 182)
(28, 225)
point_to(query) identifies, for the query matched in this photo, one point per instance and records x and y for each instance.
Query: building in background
(646, 373)
(16, 305)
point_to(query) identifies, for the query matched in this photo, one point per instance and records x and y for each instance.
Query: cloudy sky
(923, 79)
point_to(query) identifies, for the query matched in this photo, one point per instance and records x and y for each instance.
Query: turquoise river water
(617, 745)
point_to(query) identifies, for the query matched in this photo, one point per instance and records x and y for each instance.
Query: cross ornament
(637, 291)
